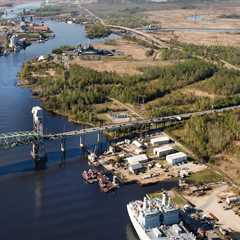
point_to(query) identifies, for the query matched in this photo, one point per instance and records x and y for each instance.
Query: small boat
(90, 176)
(92, 158)
(105, 184)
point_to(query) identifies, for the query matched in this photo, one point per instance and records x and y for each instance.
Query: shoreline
(4, 3)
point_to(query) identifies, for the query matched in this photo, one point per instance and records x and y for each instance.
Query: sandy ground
(127, 47)
(130, 62)
(209, 204)
(229, 162)
(120, 67)
(191, 167)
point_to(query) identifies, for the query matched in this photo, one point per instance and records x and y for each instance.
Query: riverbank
(20, 34)
(11, 3)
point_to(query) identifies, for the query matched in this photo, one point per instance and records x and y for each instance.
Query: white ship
(157, 219)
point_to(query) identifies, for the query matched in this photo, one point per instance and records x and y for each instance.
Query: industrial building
(135, 167)
(176, 158)
(160, 140)
(135, 162)
(137, 144)
(163, 150)
(142, 158)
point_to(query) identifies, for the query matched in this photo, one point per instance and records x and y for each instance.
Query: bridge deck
(9, 140)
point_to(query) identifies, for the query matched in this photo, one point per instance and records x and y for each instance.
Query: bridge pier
(81, 141)
(39, 155)
(63, 152)
(98, 146)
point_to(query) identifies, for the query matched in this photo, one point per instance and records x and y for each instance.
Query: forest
(159, 88)
(97, 30)
(84, 87)
(204, 135)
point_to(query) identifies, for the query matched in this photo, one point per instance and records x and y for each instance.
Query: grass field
(205, 177)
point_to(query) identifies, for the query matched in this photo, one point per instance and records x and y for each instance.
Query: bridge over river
(36, 137)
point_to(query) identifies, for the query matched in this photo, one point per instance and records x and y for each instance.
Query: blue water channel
(54, 203)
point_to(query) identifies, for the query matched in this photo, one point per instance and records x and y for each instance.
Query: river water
(55, 203)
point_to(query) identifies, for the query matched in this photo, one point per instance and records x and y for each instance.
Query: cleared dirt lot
(132, 58)
(127, 47)
(118, 66)
(209, 204)
(229, 162)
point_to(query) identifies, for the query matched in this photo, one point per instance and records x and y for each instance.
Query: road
(151, 39)
(131, 110)
(162, 44)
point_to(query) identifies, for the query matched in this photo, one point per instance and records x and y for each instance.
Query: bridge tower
(38, 149)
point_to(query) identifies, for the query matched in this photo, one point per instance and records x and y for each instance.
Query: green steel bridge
(14, 139)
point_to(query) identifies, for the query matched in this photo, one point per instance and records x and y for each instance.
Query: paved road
(162, 44)
(147, 36)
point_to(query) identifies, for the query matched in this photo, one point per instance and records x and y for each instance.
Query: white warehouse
(160, 140)
(163, 150)
(138, 158)
(135, 167)
(176, 158)
(135, 162)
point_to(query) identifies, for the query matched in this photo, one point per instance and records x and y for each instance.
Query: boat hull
(138, 228)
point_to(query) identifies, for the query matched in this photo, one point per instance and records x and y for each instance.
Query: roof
(163, 148)
(137, 159)
(160, 139)
(176, 155)
(135, 166)
(137, 143)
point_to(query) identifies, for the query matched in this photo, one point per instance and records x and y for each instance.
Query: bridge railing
(10, 140)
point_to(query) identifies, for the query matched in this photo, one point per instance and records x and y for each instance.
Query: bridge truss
(14, 139)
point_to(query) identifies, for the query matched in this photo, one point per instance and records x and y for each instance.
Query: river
(54, 203)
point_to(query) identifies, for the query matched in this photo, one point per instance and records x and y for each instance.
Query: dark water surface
(55, 203)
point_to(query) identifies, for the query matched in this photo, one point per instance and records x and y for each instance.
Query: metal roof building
(176, 158)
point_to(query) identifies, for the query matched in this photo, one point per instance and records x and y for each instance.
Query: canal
(55, 203)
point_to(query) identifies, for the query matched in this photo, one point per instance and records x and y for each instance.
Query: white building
(137, 144)
(232, 200)
(13, 41)
(135, 167)
(139, 151)
(163, 150)
(176, 158)
(160, 140)
(135, 162)
(142, 158)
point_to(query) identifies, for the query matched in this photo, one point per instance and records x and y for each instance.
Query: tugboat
(105, 184)
(92, 158)
(90, 176)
